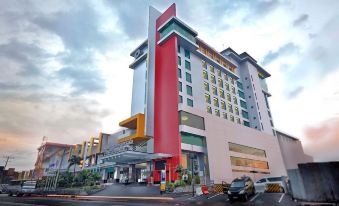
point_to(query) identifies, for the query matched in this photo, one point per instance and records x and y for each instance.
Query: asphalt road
(272, 199)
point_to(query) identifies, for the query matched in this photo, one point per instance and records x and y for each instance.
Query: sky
(64, 65)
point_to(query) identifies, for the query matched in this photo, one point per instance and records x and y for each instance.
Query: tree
(75, 160)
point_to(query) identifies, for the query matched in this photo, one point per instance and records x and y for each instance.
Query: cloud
(300, 20)
(295, 92)
(323, 140)
(283, 50)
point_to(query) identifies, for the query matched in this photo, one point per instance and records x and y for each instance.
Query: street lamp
(192, 157)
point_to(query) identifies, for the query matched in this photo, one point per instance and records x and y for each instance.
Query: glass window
(211, 68)
(241, 94)
(232, 118)
(180, 86)
(179, 73)
(225, 77)
(180, 99)
(220, 83)
(187, 54)
(192, 139)
(227, 87)
(207, 98)
(204, 64)
(246, 150)
(222, 93)
(204, 74)
(190, 102)
(228, 97)
(214, 90)
(219, 72)
(206, 86)
(187, 65)
(178, 48)
(216, 102)
(236, 110)
(188, 77)
(231, 80)
(244, 162)
(244, 114)
(243, 104)
(223, 105)
(213, 79)
(224, 115)
(179, 60)
(209, 109)
(238, 120)
(191, 120)
(239, 84)
(233, 90)
(235, 101)
(189, 90)
(246, 123)
(230, 109)
(217, 112)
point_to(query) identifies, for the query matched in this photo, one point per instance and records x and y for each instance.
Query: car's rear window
(274, 179)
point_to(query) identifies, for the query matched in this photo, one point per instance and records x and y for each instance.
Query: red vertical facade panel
(166, 119)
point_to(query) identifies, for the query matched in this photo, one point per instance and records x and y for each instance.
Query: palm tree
(74, 160)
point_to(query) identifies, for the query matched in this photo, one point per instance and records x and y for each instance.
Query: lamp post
(192, 157)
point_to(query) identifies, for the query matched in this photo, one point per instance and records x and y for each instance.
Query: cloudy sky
(64, 65)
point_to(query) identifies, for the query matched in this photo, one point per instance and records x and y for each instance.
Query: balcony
(264, 86)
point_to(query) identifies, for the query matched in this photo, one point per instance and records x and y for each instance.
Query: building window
(179, 73)
(230, 109)
(180, 99)
(223, 105)
(244, 114)
(238, 120)
(206, 86)
(227, 87)
(188, 77)
(244, 162)
(246, 123)
(187, 54)
(214, 90)
(217, 112)
(213, 79)
(232, 118)
(189, 90)
(207, 98)
(243, 104)
(211, 68)
(190, 102)
(178, 48)
(220, 83)
(224, 115)
(231, 80)
(239, 84)
(241, 94)
(216, 102)
(219, 72)
(191, 120)
(180, 86)
(204, 65)
(233, 90)
(271, 123)
(225, 77)
(229, 97)
(209, 109)
(179, 60)
(222, 93)
(205, 75)
(187, 65)
(236, 110)
(246, 150)
(192, 139)
(235, 101)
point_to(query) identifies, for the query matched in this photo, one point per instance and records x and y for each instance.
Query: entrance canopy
(133, 157)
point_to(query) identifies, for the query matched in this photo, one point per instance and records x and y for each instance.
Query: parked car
(21, 187)
(241, 188)
(260, 185)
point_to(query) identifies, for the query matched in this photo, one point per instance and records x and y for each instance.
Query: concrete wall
(219, 133)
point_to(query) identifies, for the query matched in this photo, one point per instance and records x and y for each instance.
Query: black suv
(241, 188)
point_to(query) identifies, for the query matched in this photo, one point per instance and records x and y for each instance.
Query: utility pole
(7, 160)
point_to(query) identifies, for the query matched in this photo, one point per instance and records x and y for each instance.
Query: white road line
(253, 198)
(282, 196)
(214, 196)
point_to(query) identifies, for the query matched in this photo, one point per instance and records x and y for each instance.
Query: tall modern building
(196, 107)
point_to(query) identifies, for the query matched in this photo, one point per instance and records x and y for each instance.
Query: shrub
(197, 179)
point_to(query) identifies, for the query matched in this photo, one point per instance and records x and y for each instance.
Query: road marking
(253, 198)
(282, 196)
(111, 197)
(214, 196)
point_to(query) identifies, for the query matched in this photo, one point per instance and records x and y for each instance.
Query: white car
(260, 185)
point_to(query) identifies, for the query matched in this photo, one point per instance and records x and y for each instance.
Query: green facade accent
(192, 139)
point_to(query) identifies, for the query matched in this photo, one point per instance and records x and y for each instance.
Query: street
(272, 199)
